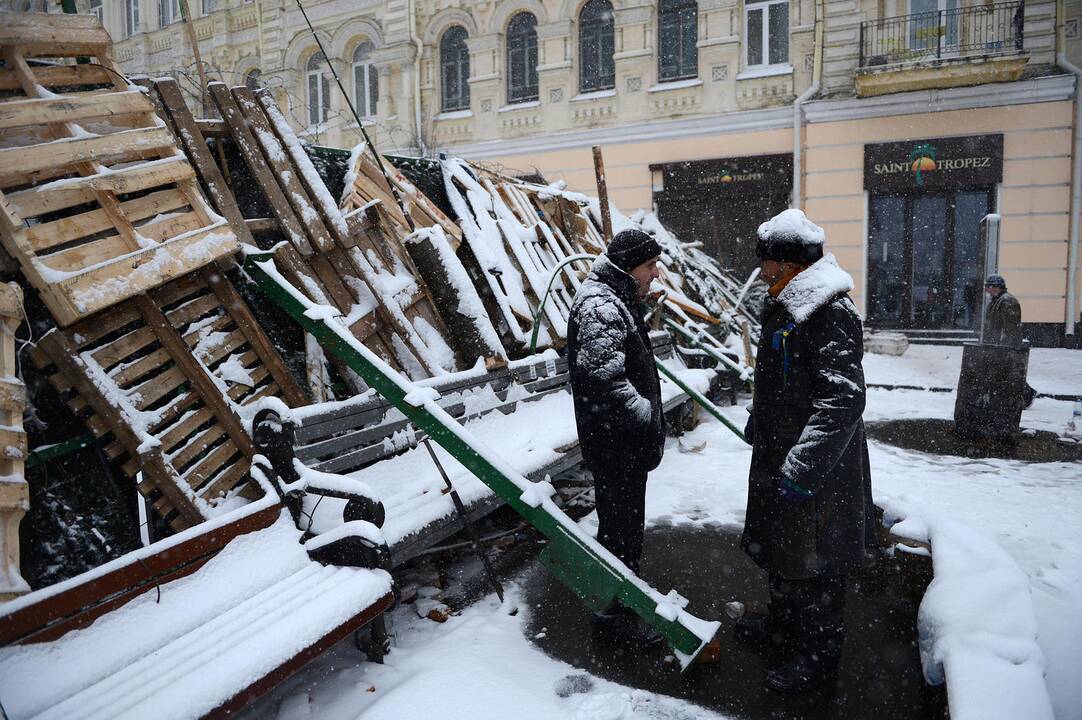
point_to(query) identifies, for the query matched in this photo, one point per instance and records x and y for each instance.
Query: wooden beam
(59, 76)
(33, 158)
(20, 113)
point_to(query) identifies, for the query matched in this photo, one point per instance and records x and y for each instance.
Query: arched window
(319, 90)
(597, 71)
(522, 58)
(253, 79)
(365, 80)
(678, 58)
(455, 69)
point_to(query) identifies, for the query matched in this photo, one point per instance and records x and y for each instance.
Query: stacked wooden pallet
(344, 261)
(96, 204)
(14, 492)
(164, 383)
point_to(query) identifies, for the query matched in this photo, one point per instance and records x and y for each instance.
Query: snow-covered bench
(197, 625)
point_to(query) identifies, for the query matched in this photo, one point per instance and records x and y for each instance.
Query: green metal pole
(548, 289)
(691, 338)
(701, 399)
(572, 555)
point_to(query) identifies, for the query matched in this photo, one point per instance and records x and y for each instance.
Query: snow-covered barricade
(976, 625)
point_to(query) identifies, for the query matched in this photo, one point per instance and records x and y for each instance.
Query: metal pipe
(1076, 196)
(419, 48)
(798, 115)
(541, 306)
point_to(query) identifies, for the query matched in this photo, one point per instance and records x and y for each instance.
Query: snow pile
(977, 626)
(793, 224)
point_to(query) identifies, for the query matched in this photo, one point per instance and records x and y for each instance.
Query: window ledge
(455, 115)
(676, 85)
(525, 105)
(761, 71)
(595, 95)
(367, 121)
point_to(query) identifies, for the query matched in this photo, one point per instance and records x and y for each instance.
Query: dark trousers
(621, 514)
(810, 612)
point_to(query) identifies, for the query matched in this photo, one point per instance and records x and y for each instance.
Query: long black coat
(806, 427)
(613, 377)
(1003, 321)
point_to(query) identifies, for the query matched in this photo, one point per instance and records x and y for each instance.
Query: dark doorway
(925, 258)
(721, 204)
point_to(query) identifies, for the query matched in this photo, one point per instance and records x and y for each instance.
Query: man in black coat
(810, 518)
(617, 397)
(1003, 322)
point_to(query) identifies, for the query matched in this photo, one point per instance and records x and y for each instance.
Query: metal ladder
(574, 557)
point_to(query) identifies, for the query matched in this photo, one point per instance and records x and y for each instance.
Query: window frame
(366, 99)
(165, 19)
(764, 6)
(131, 17)
(209, 6)
(606, 71)
(529, 90)
(459, 65)
(666, 9)
(323, 89)
(98, 10)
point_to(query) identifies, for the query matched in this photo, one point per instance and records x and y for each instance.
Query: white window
(209, 6)
(96, 9)
(131, 17)
(168, 11)
(319, 90)
(365, 81)
(766, 27)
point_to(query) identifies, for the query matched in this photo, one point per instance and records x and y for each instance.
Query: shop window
(455, 70)
(131, 17)
(766, 28)
(678, 57)
(365, 80)
(319, 90)
(168, 12)
(253, 79)
(597, 69)
(522, 58)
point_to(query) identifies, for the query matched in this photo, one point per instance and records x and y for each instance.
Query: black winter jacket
(806, 428)
(1003, 321)
(613, 378)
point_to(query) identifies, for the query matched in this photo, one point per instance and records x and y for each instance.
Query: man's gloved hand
(792, 492)
(749, 427)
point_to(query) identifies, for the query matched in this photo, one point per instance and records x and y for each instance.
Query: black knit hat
(790, 236)
(631, 248)
(996, 281)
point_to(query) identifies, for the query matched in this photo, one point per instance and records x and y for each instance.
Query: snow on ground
(479, 664)
(1052, 371)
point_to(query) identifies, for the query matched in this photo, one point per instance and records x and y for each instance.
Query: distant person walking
(617, 397)
(810, 518)
(1003, 322)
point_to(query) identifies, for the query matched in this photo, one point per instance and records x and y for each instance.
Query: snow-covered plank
(19, 113)
(54, 34)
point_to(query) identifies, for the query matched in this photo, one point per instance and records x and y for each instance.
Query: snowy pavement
(479, 664)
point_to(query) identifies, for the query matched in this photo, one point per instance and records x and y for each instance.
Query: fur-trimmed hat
(790, 236)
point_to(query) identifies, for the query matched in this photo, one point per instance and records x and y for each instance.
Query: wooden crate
(163, 379)
(96, 203)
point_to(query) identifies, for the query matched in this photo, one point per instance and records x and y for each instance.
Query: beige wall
(1034, 198)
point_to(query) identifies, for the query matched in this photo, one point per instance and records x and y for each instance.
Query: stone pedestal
(14, 492)
(991, 391)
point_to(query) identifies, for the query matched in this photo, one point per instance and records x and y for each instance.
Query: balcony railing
(965, 32)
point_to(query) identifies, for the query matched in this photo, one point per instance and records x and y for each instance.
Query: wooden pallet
(96, 204)
(162, 379)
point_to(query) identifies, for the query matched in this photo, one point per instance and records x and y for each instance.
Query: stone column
(14, 492)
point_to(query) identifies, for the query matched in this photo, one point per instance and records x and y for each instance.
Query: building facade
(896, 124)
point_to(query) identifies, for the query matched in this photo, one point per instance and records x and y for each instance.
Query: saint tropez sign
(915, 165)
(758, 174)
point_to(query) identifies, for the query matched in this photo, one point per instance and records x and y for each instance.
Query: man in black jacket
(810, 518)
(617, 397)
(1003, 322)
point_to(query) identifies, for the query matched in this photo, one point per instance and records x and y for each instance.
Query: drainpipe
(419, 48)
(798, 114)
(1076, 174)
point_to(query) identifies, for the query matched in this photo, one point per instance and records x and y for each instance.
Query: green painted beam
(572, 555)
(701, 399)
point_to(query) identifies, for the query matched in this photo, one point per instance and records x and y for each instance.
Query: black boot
(759, 630)
(801, 672)
(623, 626)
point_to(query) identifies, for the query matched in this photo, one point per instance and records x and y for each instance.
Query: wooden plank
(50, 234)
(225, 481)
(196, 374)
(32, 623)
(182, 429)
(259, 341)
(23, 28)
(62, 194)
(277, 156)
(253, 158)
(196, 446)
(24, 160)
(21, 113)
(169, 227)
(217, 461)
(59, 76)
(63, 355)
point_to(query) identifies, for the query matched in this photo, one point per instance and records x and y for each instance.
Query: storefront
(925, 257)
(722, 202)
